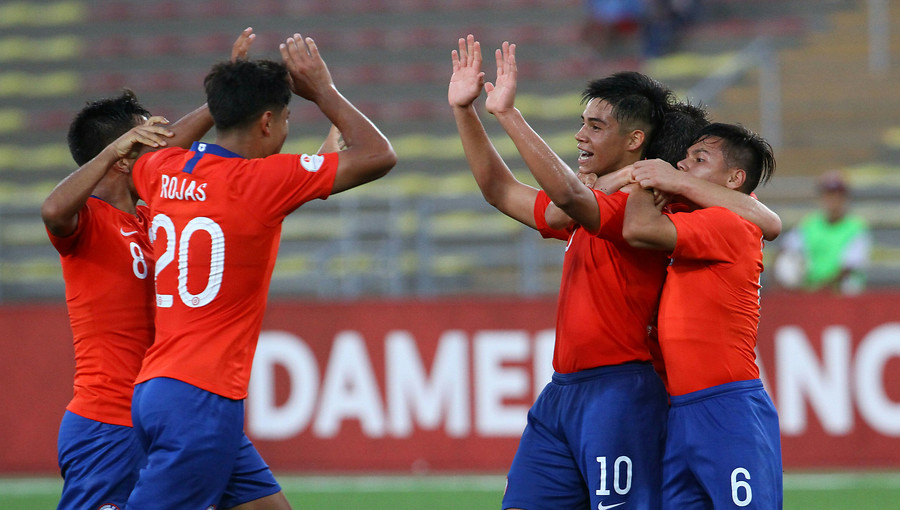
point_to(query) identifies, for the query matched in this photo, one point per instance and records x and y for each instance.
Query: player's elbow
(772, 228)
(381, 161)
(51, 212)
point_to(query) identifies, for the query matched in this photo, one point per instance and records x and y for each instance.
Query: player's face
(602, 145)
(706, 160)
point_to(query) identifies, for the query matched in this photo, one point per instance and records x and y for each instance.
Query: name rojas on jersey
(175, 188)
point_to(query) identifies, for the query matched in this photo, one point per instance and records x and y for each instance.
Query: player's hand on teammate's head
(241, 46)
(309, 76)
(467, 79)
(152, 133)
(501, 95)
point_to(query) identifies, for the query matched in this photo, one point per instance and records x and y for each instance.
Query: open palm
(467, 79)
(501, 95)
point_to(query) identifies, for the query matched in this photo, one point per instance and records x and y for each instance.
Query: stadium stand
(424, 229)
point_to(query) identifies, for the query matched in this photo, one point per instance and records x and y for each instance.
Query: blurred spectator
(612, 23)
(830, 248)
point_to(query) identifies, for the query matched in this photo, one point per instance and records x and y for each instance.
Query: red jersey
(609, 292)
(709, 310)
(107, 264)
(216, 227)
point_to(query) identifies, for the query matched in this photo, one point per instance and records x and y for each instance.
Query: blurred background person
(830, 247)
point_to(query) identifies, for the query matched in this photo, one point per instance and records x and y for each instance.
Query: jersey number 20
(178, 246)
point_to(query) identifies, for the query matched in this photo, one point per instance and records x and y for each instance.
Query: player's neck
(116, 194)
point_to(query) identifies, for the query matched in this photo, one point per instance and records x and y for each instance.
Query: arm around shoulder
(645, 226)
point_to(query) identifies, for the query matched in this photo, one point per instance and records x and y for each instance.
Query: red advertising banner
(444, 384)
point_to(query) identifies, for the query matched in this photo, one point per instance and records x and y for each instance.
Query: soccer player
(93, 220)
(723, 446)
(101, 235)
(595, 434)
(216, 212)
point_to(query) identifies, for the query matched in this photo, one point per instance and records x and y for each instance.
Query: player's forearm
(60, 209)
(550, 171)
(707, 194)
(333, 141)
(497, 183)
(191, 127)
(644, 225)
(357, 130)
(487, 166)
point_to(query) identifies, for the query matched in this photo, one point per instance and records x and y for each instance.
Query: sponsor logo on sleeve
(311, 163)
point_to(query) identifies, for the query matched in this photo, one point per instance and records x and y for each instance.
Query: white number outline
(617, 469)
(741, 484)
(138, 262)
(217, 259)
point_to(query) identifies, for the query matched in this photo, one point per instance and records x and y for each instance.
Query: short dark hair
(239, 92)
(638, 101)
(681, 123)
(743, 149)
(101, 122)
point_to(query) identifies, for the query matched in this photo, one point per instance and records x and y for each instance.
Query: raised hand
(309, 75)
(242, 45)
(468, 78)
(152, 133)
(501, 95)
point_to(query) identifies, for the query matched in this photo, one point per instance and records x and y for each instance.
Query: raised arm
(497, 183)
(369, 154)
(333, 141)
(554, 176)
(658, 174)
(60, 209)
(196, 124)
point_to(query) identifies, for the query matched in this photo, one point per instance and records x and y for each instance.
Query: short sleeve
(541, 202)
(277, 185)
(66, 245)
(712, 234)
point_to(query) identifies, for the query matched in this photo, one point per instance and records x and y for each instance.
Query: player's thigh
(738, 455)
(622, 439)
(194, 438)
(252, 482)
(99, 462)
(544, 474)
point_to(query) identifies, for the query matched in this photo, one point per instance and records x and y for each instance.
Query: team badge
(312, 162)
(109, 506)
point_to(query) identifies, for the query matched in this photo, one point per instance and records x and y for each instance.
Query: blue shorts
(594, 439)
(723, 449)
(99, 462)
(197, 453)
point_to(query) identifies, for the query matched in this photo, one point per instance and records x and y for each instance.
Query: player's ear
(736, 178)
(123, 165)
(636, 140)
(265, 122)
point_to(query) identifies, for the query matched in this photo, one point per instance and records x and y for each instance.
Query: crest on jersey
(312, 162)
(109, 506)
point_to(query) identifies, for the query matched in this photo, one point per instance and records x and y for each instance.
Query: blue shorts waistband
(591, 373)
(714, 391)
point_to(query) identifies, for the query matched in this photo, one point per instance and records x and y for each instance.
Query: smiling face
(602, 145)
(706, 160)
